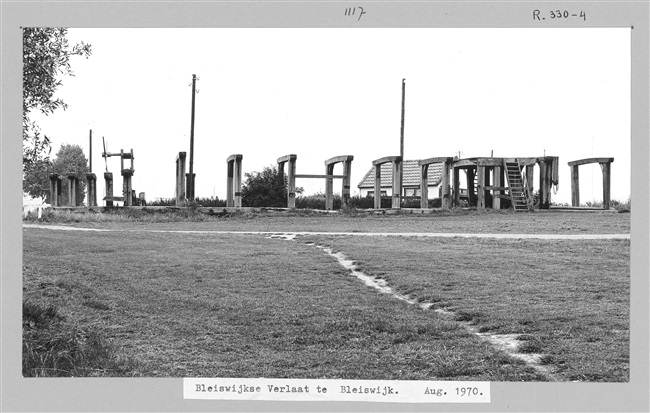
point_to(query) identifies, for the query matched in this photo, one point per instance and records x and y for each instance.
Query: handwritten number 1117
(351, 11)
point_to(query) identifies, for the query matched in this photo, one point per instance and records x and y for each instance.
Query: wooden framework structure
(329, 176)
(605, 166)
(424, 185)
(127, 174)
(233, 184)
(396, 162)
(505, 178)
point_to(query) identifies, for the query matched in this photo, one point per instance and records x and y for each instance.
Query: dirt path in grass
(359, 234)
(508, 343)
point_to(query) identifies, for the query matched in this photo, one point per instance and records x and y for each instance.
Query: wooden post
(530, 174)
(237, 177)
(190, 179)
(456, 188)
(497, 178)
(108, 178)
(446, 196)
(480, 190)
(281, 172)
(544, 185)
(180, 178)
(291, 190)
(345, 191)
(548, 181)
(470, 171)
(575, 186)
(377, 186)
(55, 190)
(127, 189)
(397, 184)
(424, 186)
(606, 168)
(329, 188)
(230, 165)
(72, 190)
(191, 185)
(91, 180)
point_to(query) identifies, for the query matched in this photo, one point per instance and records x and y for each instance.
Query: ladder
(515, 185)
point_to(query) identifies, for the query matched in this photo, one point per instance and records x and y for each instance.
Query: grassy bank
(467, 221)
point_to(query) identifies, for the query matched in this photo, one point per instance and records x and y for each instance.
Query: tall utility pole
(401, 138)
(190, 178)
(90, 152)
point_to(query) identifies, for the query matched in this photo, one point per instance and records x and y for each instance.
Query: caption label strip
(337, 390)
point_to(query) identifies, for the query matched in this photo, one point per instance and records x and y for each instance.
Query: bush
(622, 206)
(317, 201)
(204, 202)
(264, 189)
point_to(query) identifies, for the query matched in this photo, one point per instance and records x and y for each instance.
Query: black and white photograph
(371, 208)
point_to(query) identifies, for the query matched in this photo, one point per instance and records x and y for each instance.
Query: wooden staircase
(515, 185)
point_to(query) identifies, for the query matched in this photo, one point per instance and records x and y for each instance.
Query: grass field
(488, 221)
(184, 304)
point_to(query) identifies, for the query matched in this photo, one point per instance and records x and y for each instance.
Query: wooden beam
(480, 190)
(464, 163)
(377, 186)
(470, 186)
(287, 158)
(575, 186)
(424, 186)
(548, 181)
(440, 159)
(591, 160)
(329, 186)
(497, 187)
(235, 157)
(345, 191)
(544, 186)
(446, 196)
(291, 189)
(326, 176)
(230, 193)
(397, 183)
(456, 188)
(386, 159)
(341, 158)
(237, 181)
(606, 167)
(530, 174)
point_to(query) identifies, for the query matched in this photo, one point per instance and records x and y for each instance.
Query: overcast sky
(319, 93)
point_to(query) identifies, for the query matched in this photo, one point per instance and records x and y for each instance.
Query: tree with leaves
(70, 159)
(46, 57)
(264, 189)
